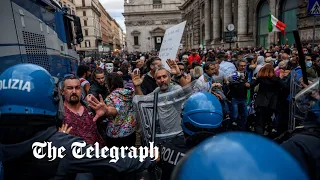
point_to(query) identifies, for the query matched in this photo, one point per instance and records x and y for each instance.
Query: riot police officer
(201, 118)
(29, 114)
(303, 142)
(238, 155)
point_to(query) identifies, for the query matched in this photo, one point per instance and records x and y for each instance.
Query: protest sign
(171, 43)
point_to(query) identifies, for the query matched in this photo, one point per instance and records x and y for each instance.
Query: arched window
(289, 17)
(263, 17)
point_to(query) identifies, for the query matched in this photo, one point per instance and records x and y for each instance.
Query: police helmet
(27, 89)
(236, 76)
(201, 112)
(308, 100)
(238, 155)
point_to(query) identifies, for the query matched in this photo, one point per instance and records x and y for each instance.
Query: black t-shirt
(238, 88)
(148, 85)
(171, 153)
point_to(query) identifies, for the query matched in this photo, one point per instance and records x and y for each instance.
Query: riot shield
(168, 121)
(297, 114)
(294, 114)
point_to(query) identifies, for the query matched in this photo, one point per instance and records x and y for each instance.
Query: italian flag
(275, 25)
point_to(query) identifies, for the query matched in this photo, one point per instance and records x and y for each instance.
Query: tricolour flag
(275, 25)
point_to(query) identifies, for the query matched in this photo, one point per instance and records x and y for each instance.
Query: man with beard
(169, 116)
(99, 84)
(24, 123)
(163, 79)
(78, 116)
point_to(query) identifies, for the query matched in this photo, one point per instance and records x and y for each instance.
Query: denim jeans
(239, 108)
(225, 107)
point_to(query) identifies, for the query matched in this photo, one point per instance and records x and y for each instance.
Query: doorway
(158, 42)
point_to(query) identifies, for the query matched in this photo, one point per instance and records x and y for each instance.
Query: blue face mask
(309, 64)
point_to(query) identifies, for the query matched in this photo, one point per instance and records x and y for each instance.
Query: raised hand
(136, 79)
(174, 68)
(98, 106)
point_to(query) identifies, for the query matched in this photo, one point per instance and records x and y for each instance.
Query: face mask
(309, 64)
(109, 67)
(286, 60)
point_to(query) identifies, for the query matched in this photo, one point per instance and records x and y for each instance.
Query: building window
(263, 18)
(136, 40)
(87, 44)
(85, 22)
(157, 4)
(289, 17)
(73, 13)
(83, 3)
(86, 32)
(202, 11)
(84, 13)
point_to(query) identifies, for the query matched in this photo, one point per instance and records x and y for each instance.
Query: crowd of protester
(255, 87)
(252, 84)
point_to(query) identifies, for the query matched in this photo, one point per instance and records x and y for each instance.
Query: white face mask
(109, 67)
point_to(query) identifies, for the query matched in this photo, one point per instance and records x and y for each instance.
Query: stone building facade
(147, 20)
(207, 22)
(116, 34)
(69, 4)
(89, 14)
(106, 30)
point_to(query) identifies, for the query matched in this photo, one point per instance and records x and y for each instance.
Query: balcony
(157, 6)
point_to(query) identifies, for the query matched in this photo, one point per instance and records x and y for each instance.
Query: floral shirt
(124, 124)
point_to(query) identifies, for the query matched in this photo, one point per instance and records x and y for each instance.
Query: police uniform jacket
(19, 162)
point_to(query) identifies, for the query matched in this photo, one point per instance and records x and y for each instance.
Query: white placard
(170, 43)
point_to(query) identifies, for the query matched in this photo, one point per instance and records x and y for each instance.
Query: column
(251, 18)
(227, 14)
(216, 21)
(207, 12)
(242, 17)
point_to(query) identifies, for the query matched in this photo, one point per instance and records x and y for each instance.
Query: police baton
(154, 117)
(301, 56)
(154, 172)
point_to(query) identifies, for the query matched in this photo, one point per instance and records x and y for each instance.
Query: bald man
(285, 57)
